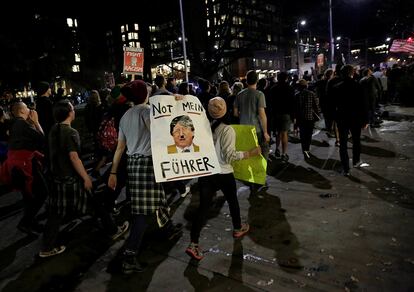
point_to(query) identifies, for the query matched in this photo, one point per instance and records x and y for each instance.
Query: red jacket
(22, 160)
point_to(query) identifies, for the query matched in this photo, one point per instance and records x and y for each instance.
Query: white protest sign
(181, 141)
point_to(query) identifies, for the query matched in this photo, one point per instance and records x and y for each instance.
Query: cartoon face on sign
(182, 131)
(134, 61)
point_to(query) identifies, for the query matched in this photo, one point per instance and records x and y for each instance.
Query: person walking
(147, 196)
(23, 168)
(306, 112)
(224, 138)
(351, 115)
(72, 187)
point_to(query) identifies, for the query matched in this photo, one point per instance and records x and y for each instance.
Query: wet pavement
(311, 230)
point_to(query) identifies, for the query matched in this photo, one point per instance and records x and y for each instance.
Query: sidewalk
(312, 230)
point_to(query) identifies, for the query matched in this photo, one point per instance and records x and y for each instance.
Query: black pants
(138, 226)
(32, 202)
(208, 186)
(343, 129)
(55, 220)
(306, 131)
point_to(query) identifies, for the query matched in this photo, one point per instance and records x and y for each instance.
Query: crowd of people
(40, 150)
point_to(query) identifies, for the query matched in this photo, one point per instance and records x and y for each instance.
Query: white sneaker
(361, 164)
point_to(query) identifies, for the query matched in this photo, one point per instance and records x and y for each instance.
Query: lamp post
(331, 39)
(301, 22)
(183, 41)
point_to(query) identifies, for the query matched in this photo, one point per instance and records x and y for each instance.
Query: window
(136, 26)
(77, 58)
(133, 35)
(69, 21)
(132, 44)
(122, 28)
(75, 21)
(269, 38)
(75, 68)
(208, 22)
(126, 27)
(137, 44)
(123, 38)
(234, 44)
(241, 34)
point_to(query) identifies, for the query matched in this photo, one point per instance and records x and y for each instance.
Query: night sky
(357, 19)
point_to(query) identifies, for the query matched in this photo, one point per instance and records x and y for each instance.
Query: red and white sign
(133, 60)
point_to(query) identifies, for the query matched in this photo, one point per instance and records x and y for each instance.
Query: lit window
(233, 30)
(132, 44)
(69, 21)
(76, 22)
(122, 28)
(269, 38)
(208, 33)
(270, 63)
(75, 68)
(241, 34)
(136, 26)
(137, 44)
(77, 58)
(126, 27)
(133, 35)
(208, 22)
(123, 38)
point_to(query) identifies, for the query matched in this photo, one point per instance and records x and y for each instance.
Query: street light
(331, 39)
(183, 42)
(301, 22)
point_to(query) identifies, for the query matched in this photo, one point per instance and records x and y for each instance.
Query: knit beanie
(217, 107)
(42, 88)
(135, 91)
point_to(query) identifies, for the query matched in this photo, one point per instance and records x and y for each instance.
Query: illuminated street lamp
(301, 22)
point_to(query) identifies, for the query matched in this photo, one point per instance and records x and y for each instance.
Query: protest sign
(181, 140)
(252, 169)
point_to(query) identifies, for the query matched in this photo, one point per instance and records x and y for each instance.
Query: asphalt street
(311, 230)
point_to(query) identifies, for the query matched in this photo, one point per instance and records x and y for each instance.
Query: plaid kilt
(68, 196)
(146, 195)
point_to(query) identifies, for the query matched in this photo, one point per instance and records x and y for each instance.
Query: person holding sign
(224, 138)
(147, 196)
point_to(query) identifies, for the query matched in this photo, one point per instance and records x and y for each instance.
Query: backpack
(107, 134)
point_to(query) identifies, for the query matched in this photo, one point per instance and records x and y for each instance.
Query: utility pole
(183, 40)
(331, 43)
